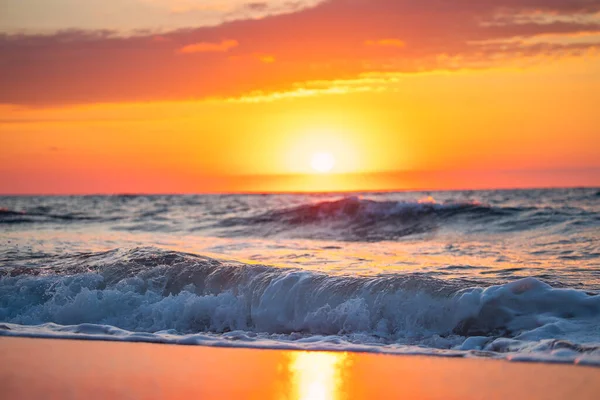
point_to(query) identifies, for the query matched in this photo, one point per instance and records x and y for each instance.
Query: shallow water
(511, 274)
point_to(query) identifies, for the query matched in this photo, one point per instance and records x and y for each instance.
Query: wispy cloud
(129, 16)
(266, 58)
(386, 43)
(207, 47)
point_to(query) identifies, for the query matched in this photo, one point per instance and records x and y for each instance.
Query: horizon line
(300, 192)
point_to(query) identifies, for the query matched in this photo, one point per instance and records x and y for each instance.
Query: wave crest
(358, 219)
(146, 291)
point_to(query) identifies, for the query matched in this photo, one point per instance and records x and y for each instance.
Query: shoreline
(67, 368)
(235, 344)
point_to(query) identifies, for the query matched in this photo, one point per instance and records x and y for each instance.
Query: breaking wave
(357, 219)
(147, 294)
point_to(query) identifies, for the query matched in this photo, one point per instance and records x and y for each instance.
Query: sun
(322, 162)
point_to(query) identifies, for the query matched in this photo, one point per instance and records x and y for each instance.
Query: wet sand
(70, 369)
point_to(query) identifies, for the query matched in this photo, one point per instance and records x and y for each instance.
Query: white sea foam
(148, 295)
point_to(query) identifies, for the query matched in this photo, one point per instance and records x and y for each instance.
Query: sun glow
(322, 162)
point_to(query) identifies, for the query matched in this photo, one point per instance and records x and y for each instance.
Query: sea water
(500, 274)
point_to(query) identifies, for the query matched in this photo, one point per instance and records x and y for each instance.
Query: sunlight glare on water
(317, 376)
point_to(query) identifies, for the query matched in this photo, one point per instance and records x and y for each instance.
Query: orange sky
(434, 95)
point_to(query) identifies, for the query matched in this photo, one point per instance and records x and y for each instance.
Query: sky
(212, 96)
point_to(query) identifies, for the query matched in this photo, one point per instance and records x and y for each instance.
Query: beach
(71, 369)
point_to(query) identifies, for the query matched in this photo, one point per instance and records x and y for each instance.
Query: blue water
(501, 274)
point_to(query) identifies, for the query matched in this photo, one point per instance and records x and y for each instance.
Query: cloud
(266, 58)
(258, 6)
(386, 43)
(129, 16)
(160, 39)
(207, 47)
(346, 38)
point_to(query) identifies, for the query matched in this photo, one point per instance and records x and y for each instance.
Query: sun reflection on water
(317, 376)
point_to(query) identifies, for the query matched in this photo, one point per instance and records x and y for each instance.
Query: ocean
(496, 274)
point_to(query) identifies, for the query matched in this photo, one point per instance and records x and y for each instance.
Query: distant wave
(37, 216)
(346, 219)
(153, 295)
(356, 219)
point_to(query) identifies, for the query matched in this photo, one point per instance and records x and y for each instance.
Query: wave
(348, 219)
(39, 215)
(153, 295)
(357, 219)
